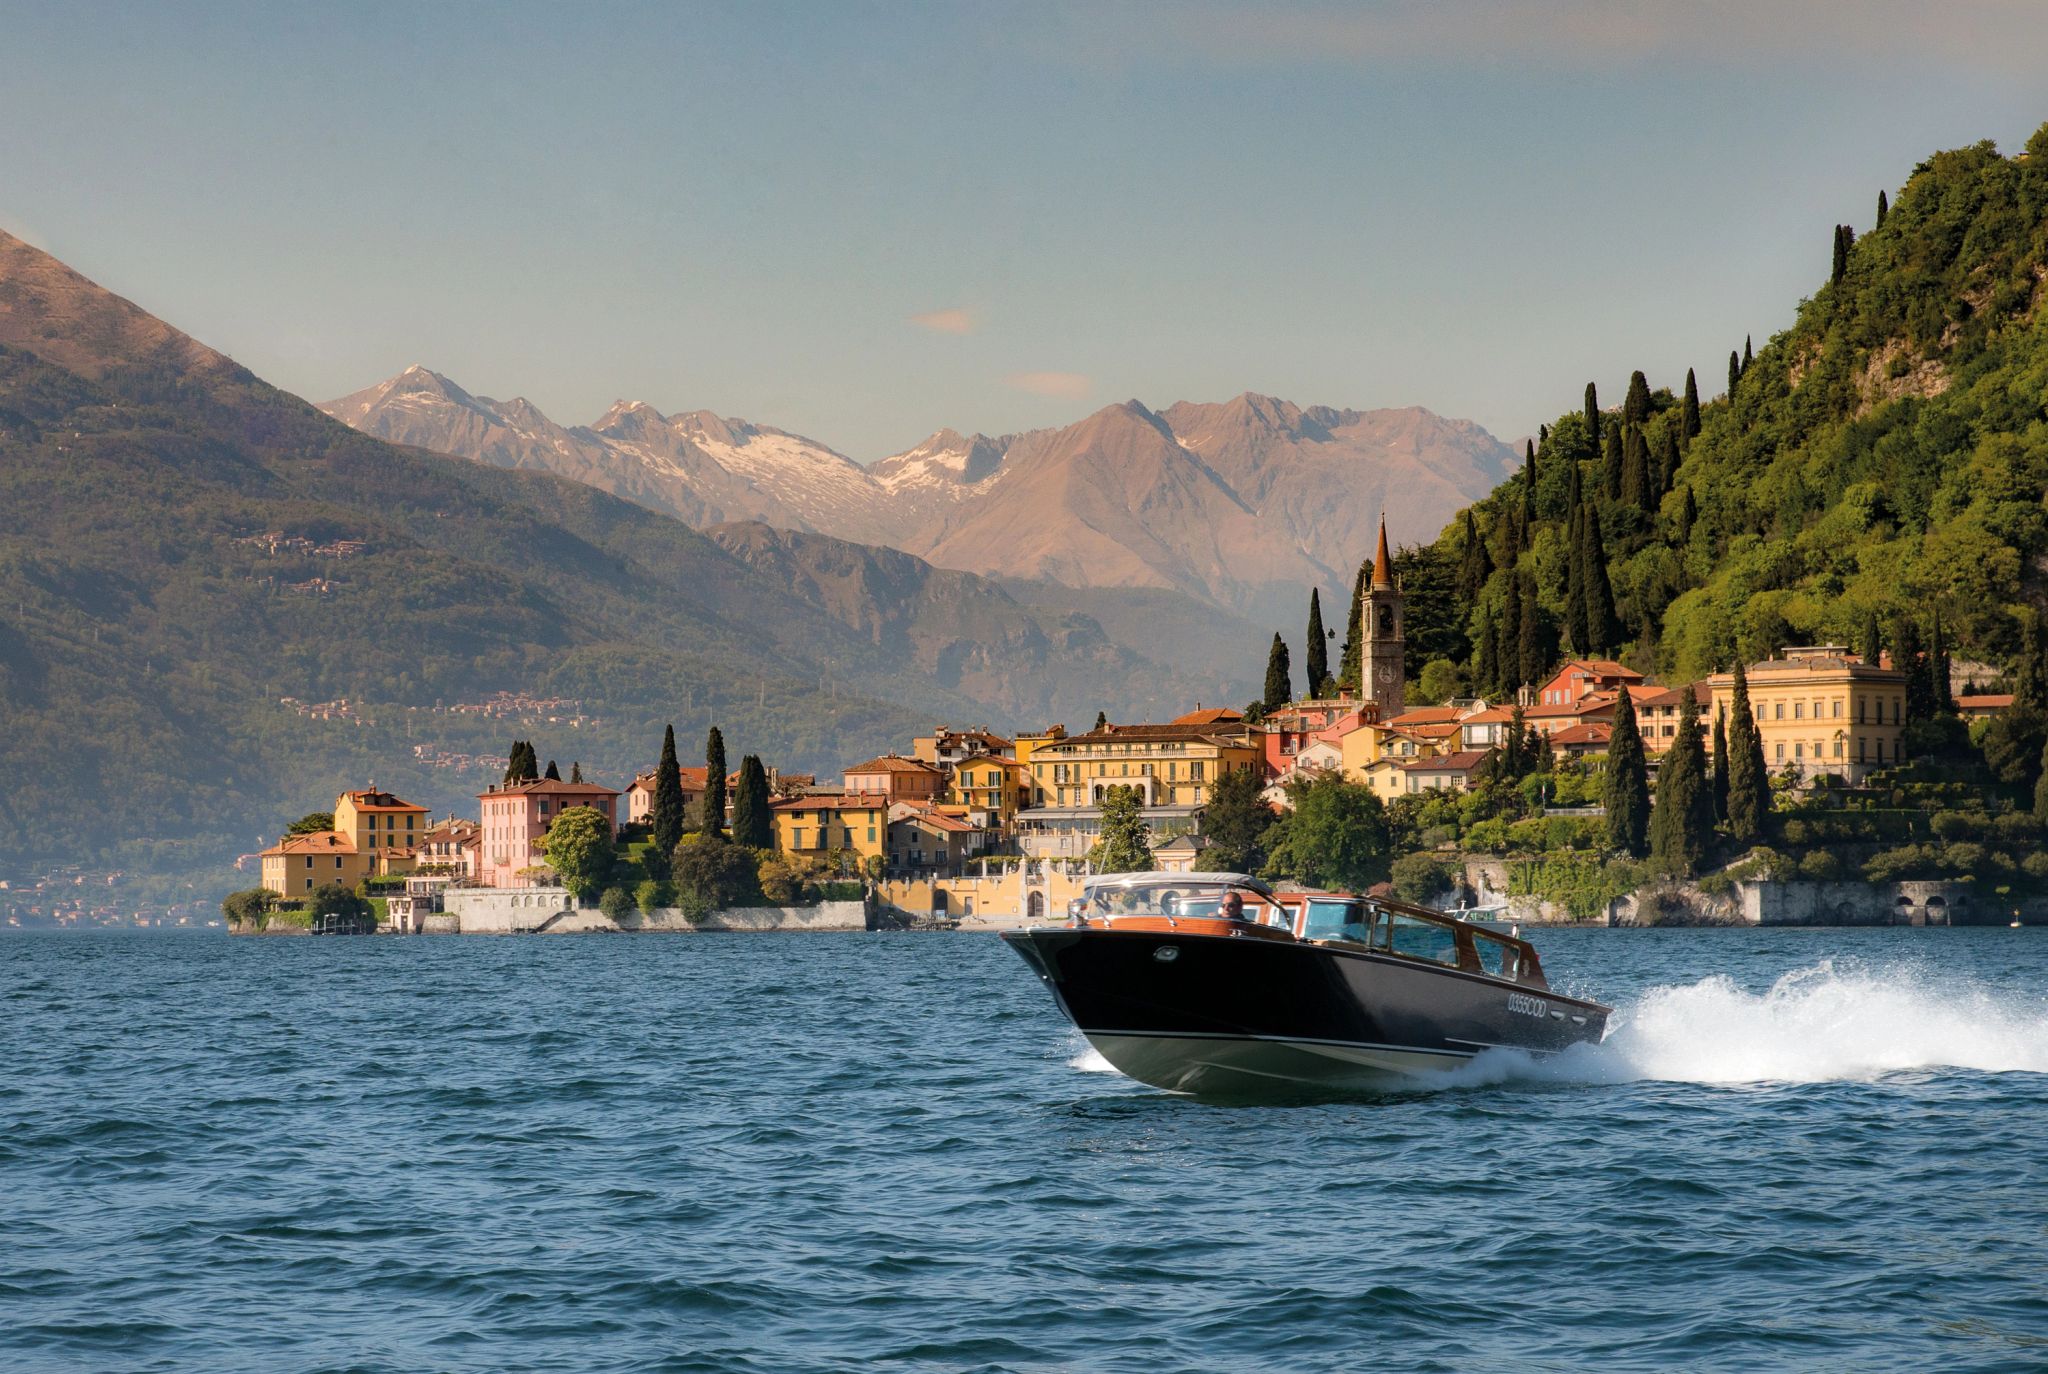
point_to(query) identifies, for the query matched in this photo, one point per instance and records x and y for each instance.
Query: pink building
(897, 778)
(516, 816)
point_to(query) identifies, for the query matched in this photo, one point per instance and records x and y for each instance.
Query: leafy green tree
(1749, 779)
(1626, 790)
(2041, 790)
(1682, 825)
(1336, 836)
(616, 904)
(714, 784)
(1422, 879)
(1126, 843)
(666, 813)
(578, 846)
(1440, 681)
(332, 899)
(310, 823)
(1235, 823)
(248, 907)
(1316, 651)
(2013, 741)
(1279, 686)
(713, 875)
(1689, 416)
(1721, 764)
(752, 822)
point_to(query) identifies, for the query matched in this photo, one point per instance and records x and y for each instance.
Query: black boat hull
(1220, 1014)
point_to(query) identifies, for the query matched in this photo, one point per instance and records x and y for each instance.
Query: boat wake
(1815, 1025)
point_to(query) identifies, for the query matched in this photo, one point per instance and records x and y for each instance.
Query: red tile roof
(893, 763)
(1590, 733)
(833, 801)
(549, 787)
(1492, 715)
(1984, 701)
(1425, 715)
(370, 800)
(1464, 761)
(1212, 715)
(314, 842)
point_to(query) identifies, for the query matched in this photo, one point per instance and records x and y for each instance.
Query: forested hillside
(1876, 470)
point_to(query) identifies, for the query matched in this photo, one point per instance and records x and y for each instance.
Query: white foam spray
(1814, 1025)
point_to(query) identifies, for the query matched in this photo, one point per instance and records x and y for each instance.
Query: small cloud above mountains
(949, 321)
(1070, 386)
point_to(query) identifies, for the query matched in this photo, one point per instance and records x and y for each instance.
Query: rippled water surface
(1798, 1149)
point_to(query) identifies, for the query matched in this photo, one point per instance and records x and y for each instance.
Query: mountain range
(1243, 504)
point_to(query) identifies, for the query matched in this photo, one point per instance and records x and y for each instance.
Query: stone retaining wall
(552, 911)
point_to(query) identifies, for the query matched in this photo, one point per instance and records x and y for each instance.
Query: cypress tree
(1626, 789)
(665, 816)
(1510, 542)
(553, 774)
(1871, 646)
(2041, 790)
(1749, 782)
(1938, 670)
(1908, 658)
(1354, 637)
(1279, 687)
(1689, 416)
(2030, 669)
(1748, 355)
(714, 785)
(1610, 465)
(1593, 417)
(1667, 467)
(1511, 637)
(1635, 409)
(1473, 566)
(1635, 469)
(1721, 764)
(1574, 570)
(1529, 462)
(1734, 372)
(1529, 497)
(752, 823)
(1682, 825)
(1317, 650)
(1601, 630)
(1486, 654)
(576, 771)
(1883, 208)
(1531, 653)
(1688, 514)
(1102, 717)
(1840, 267)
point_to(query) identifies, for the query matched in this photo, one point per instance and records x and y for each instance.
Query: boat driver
(1231, 908)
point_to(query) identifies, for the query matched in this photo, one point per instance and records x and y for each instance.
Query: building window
(1838, 749)
(1781, 751)
(1880, 751)
(1798, 710)
(1838, 708)
(1777, 710)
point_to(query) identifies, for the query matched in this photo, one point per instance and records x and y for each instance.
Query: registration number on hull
(1523, 1005)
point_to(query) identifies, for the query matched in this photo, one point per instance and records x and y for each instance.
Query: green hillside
(1880, 463)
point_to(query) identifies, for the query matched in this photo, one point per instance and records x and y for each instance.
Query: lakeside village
(1823, 785)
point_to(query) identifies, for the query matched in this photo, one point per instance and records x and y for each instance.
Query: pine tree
(1749, 781)
(1635, 410)
(715, 769)
(665, 816)
(1601, 630)
(1626, 789)
(1721, 764)
(1316, 653)
(553, 774)
(1593, 417)
(753, 824)
(1279, 683)
(1610, 464)
(1689, 417)
(1682, 825)
(1473, 566)
(1734, 372)
(1354, 636)
(1883, 208)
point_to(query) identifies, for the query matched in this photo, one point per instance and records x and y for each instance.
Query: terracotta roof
(314, 842)
(1135, 734)
(1000, 760)
(1590, 733)
(1702, 693)
(1432, 732)
(549, 787)
(1426, 715)
(1984, 701)
(1597, 667)
(368, 800)
(1550, 710)
(938, 820)
(893, 763)
(1464, 761)
(1212, 715)
(1492, 715)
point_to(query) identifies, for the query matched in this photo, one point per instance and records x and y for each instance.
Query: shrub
(1490, 835)
(1421, 878)
(713, 874)
(1820, 865)
(782, 877)
(249, 907)
(653, 894)
(615, 903)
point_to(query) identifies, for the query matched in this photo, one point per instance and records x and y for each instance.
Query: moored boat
(1215, 983)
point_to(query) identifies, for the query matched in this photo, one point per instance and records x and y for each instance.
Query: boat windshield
(1330, 919)
(1170, 899)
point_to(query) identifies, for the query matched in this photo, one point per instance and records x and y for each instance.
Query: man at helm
(1231, 908)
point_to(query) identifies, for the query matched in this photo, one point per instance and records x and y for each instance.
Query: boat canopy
(1211, 883)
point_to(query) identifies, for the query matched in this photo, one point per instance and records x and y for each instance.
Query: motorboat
(1214, 983)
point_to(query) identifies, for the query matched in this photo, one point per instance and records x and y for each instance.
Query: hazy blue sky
(862, 222)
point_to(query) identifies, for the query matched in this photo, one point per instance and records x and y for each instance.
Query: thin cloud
(951, 321)
(1067, 386)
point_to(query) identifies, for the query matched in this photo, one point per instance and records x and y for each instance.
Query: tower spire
(1382, 567)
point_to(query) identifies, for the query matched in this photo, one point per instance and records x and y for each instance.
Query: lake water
(1819, 1150)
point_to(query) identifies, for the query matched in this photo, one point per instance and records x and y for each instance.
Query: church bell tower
(1383, 666)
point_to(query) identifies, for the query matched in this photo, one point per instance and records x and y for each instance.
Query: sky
(863, 222)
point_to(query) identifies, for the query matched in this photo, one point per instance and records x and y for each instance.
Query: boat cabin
(1236, 904)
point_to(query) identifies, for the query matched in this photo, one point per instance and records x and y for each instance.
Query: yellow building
(386, 830)
(856, 823)
(1171, 766)
(1024, 748)
(297, 864)
(1819, 710)
(988, 783)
